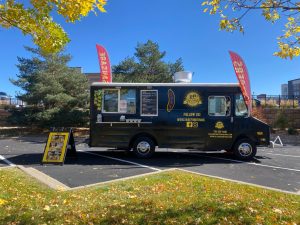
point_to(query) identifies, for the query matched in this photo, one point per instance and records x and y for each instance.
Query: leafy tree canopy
(51, 87)
(232, 12)
(36, 20)
(146, 66)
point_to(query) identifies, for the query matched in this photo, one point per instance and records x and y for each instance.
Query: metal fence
(276, 101)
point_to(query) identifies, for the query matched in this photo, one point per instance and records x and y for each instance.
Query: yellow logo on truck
(192, 99)
(219, 125)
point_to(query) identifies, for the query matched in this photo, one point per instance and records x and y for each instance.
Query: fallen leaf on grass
(2, 201)
(277, 211)
(46, 208)
(132, 196)
(252, 210)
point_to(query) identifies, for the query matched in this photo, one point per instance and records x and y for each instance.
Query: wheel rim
(245, 149)
(143, 147)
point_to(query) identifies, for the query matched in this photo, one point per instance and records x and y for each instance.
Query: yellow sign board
(57, 146)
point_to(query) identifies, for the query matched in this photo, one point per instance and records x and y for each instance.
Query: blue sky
(180, 28)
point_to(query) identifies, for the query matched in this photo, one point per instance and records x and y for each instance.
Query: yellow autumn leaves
(170, 197)
(72, 10)
(37, 21)
(50, 36)
(2, 201)
(289, 42)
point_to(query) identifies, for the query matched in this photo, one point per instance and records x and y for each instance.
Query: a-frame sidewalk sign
(60, 144)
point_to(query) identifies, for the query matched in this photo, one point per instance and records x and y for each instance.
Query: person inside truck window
(217, 106)
(240, 106)
(228, 106)
(110, 101)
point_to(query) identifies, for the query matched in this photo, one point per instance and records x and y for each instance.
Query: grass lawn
(173, 197)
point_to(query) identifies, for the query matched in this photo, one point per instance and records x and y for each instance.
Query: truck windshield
(240, 106)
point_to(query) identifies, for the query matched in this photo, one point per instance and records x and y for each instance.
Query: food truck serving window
(219, 106)
(149, 103)
(119, 101)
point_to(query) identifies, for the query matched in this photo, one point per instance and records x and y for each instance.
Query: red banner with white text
(105, 69)
(243, 77)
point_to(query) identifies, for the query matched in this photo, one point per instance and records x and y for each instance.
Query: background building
(284, 90)
(291, 89)
(92, 77)
(294, 87)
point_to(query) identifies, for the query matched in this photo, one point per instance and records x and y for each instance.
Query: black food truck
(141, 116)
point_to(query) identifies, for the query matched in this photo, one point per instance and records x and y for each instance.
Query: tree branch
(14, 24)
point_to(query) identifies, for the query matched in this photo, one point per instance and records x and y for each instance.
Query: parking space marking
(295, 156)
(121, 160)
(6, 161)
(250, 163)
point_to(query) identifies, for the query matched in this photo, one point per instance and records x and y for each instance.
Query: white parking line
(250, 163)
(295, 156)
(6, 161)
(121, 160)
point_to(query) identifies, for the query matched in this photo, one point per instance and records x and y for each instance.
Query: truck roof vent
(183, 77)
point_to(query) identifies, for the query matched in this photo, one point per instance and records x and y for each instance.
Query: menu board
(149, 103)
(56, 147)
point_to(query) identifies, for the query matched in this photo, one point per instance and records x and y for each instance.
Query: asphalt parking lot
(276, 168)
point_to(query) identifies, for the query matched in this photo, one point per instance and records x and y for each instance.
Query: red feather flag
(105, 74)
(243, 77)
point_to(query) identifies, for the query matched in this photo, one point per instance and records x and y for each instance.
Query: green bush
(64, 118)
(49, 118)
(281, 120)
(292, 131)
(23, 116)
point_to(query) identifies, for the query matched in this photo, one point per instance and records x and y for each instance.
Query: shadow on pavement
(159, 159)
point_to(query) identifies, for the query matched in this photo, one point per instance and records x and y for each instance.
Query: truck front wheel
(244, 149)
(143, 147)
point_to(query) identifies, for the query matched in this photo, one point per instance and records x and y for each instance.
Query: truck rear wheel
(244, 149)
(143, 147)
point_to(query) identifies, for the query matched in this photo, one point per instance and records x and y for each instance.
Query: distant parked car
(3, 96)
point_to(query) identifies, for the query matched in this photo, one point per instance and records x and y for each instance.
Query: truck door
(242, 122)
(219, 122)
(181, 122)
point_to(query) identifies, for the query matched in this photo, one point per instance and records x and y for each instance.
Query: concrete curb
(6, 167)
(56, 185)
(45, 179)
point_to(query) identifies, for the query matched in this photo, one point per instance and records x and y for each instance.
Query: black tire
(143, 147)
(244, 149)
